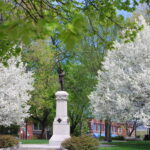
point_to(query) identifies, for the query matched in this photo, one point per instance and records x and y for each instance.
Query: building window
(99, 127)
(113, 129)
(37, 126)
(116, 129)
(93, 126)
(120, 130)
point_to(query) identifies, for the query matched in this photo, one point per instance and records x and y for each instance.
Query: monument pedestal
(61, 125)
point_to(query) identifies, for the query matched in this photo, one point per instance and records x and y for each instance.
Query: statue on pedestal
(61, 74)
(61, 125)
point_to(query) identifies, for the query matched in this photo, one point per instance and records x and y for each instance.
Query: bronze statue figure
(61, 74)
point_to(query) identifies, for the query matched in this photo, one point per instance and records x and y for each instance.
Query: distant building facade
(31, 131)
(97, 128)
(26, 131)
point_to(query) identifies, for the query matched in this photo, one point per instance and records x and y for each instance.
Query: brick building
(26, 131)
(31, 131)
(97, 128)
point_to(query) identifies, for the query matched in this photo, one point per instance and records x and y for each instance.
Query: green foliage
(7, 141)
(130, 35)
(22, 22)
(39, 59)
(25, 21)
(120, 138)
(83, 142)
(13, 130)
(101, 138)
(78, 84)
(81, 71)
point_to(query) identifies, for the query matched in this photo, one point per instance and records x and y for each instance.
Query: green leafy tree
(39, 58)
(23, 21)
(81, 71)
(77, 85)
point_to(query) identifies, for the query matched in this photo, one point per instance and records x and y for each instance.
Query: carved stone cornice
(61, 96)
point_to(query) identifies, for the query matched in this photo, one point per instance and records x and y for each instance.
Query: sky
(124, 13)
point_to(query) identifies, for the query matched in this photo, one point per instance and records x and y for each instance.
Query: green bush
(121, 138)
(101, 138)
(83, 142)
(7, 141)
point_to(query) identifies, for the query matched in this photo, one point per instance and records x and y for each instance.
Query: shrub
(121, 138)
(7, 141)
(101, 138)
(83, 142)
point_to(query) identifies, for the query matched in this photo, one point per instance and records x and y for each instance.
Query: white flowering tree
(123, 88)
(15, 83)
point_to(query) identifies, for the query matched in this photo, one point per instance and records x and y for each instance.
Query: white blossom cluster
(123, 88)
(15, 84)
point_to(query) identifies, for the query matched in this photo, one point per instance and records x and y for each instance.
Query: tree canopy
(15, 85)
(123, 85)
(23, 21)
(39, 58)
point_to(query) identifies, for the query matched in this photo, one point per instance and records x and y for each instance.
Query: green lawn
(34, 141)
(135, 145)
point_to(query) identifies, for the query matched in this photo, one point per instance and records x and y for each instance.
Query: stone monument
(61, 125)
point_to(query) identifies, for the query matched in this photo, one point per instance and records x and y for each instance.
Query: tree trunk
(133, 129)
(106, 130)
(109, 132)
(43, 122)
(127, 132)
(100, 129)
(149, 133)
(81, 126)
(72, 129)
(43, 130)
(26, 130)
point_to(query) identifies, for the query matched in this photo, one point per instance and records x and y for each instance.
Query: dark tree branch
(35, 8)
(95, 30)
(27, 11)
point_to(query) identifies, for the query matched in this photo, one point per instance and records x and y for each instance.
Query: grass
(134, 145)
(34, 141)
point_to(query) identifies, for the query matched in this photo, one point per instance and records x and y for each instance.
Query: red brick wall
(115, 127)
(22, 131)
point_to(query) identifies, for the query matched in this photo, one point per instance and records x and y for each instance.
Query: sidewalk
(106, 145)
(36, 147)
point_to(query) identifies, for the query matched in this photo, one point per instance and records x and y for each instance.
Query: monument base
(61, 132)
(56, 140)
(61, 125)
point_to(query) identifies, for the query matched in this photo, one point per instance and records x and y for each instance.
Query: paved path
(46, 146)
(106, 145)
(36, 147)
(43, 147)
